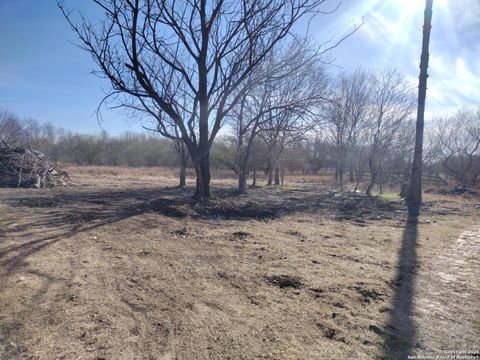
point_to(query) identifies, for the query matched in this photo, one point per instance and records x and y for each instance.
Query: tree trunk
(183, 166)
(373, 176)
(241, 161)
(283, 177)
(340, 177)
(202, 165)
(358, 176)
(380, 178)
(242, 179)
(271, 168)
(202, 170)
(254, 180)
(357, 182)
(183, 174)
(370, 187)
(277, 175)
(414, 198)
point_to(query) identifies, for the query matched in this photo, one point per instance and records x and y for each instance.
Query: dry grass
(310, 178)
(162, 173)
(121, 267)
(125, 172)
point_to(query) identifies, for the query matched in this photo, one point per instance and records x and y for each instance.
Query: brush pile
(25, 167)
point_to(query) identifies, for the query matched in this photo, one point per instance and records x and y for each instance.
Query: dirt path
(445, 291)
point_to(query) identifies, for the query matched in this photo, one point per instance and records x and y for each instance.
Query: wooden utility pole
(414, 197)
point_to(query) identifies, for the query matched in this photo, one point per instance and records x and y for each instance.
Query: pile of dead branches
(25, 167)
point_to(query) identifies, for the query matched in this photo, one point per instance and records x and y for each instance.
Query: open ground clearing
(123, 267)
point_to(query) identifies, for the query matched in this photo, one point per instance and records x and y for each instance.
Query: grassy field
(121, 266)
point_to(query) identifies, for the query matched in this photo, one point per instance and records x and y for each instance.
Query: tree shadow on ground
(62, 216)
(63, 213)
(401, 329)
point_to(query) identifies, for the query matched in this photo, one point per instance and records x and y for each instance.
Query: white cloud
(452, 84)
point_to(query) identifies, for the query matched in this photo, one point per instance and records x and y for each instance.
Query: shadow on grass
(401, 328)
(63, 213)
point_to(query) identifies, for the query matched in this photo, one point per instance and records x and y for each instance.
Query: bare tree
(246, 119)
(391, 103)
(293, 106)
(294, 87)
(346, 115)
(459, 139)
(158, 53)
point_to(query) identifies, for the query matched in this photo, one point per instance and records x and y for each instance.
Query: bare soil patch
(128, 268)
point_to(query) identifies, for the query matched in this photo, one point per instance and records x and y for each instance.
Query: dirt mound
(168, 208)
(232, 211)
(215, 208)
(285, 281)
(25, 167)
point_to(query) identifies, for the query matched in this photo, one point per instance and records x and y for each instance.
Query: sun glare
(398, 16)
(413, 6)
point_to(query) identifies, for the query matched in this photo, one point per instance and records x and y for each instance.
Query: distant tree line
(128, 149)
(363, 138)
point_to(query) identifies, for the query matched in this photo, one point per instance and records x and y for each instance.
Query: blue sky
(44, 76)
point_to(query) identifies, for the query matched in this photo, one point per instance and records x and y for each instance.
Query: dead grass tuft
(285, 281)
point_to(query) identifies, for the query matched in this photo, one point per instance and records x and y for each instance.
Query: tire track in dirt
(451, 285)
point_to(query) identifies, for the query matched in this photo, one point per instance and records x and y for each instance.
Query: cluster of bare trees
(367, 121)
(278, 111)
(453, 147)
(358, 125)
(354, 123)
(189, 65)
